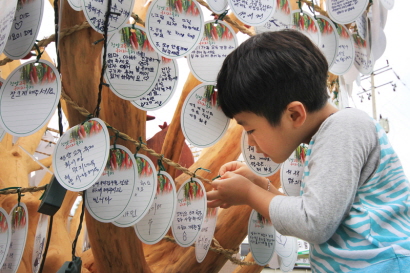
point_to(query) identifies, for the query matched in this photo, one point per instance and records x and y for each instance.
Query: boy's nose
(251, 142)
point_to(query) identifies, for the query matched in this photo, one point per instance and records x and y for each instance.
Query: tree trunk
(114, 249)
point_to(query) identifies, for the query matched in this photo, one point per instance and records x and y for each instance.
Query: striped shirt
(355, 199)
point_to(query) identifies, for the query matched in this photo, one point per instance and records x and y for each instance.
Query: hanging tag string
(90, 116)
(56, 41)
(160, 165)
(19, 197)
(39, 53)
(133, 24)
(139, 146)
(104, 62)
(312, 9)
(300, 5)
(216, 177)
(221, 16)
(116, 136)
(194, 174)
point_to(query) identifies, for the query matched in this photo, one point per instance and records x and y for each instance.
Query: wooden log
(174, 141)
(186, 159)
(81, 69)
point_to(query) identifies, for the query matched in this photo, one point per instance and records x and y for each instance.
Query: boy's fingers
(225, 206)
(227, 175)
(214, 203)
(214, 184)
(222, 171)
(212, 195)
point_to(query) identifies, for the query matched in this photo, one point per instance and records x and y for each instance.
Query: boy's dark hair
(270, 70)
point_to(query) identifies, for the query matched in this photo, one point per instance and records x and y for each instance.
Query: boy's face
(276, 142)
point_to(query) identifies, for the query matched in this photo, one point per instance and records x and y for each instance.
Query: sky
(390, 104)
(393, 105)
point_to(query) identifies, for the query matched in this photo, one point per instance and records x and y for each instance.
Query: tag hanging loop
(19, 196)
(300, 6)
(39, 53)
(160, 165)
(221, 16)
(139, 146)
(194, 174)
(312, 9)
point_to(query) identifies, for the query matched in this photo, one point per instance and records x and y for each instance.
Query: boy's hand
(242, 169)
(231, 189)
(238, 168)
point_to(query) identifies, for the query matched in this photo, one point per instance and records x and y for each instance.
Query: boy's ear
(296, 112)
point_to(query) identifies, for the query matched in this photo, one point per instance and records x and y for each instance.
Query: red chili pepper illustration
(33, 75)
(134, 40)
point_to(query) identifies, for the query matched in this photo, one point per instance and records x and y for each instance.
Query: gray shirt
(345, 154)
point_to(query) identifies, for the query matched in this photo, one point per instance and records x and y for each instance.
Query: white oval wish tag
(5, 235)
(133, 66)
(291, 174)
(95, 11)
(329, 38)
(39, 242)
(217, 6)
(253, 13)
(29, 97)
(345, 11)
(164, 89)
(363, 60)
(190, 212)
(379, 46)
(345, 54)
(387, 4)
(2, 131)
(25, 28)
(287, 249)
(143, 194)
(202, 120)
(7, 11)
(261, 237)
(81, 155)
(204, 240)
(257, 162)
(156, 223)
(75, 4)
(306, 24)
(174, 27)
(109, 197)
(206, 59)
(19, 228)
(280, 19)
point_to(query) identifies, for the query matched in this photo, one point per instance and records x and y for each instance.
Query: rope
(23, 190)
(52, 130)
(137, 19)
(124, 136)
(218, 249)
(315, 7)
(42, 153)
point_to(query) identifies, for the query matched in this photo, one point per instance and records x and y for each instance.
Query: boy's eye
(250, 132)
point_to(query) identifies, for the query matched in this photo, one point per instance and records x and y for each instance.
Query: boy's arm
(234, 189)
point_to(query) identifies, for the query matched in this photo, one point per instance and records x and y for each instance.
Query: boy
(354, 202)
